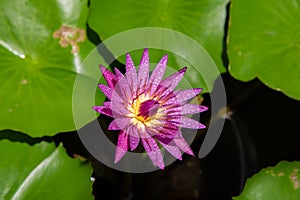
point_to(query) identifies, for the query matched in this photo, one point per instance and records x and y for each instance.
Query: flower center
(145, 110)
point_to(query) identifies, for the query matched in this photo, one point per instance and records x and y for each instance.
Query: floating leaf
(202, 21)
(264, 42)
(41, 45)
(274, 183)
(42, 171)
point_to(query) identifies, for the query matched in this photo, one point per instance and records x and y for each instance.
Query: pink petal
(163, 93)
(119, 109)
(118, 73)
(182, 144)
(117, 103)
(122, 146)
(123, 86)
(192, 108)
(134, 137)
(169, 100)
(173, 109)
(106, 90)
(143, 72)
(131, 74)
(172, 81)
(157, 74)
(148, 108)
(113, 126)
(190, 123)
(134, 142)
(153, 151)
(107, 104)
(165, 132)
(173, 149)
(129, 63)
(119, 123)
(184, 95)
(112, 109)
(103, 110)
(109, 76)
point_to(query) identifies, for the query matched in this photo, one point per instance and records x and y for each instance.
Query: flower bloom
(146, 109)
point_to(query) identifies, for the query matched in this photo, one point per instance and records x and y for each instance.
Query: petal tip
(113, 126)
(190, 152)
(165, 57)
(96, 108)
(201, 126)
(197, 90)
(183, 70)
(203, 108)
(161, 166)
(116, 160)
(164, 60)
(119, 154)
(101, 85)
(102, 68)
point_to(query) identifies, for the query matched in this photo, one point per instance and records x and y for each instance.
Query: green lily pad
(274, 183)
(42, 44)
(202, 21)
(264, 42)
(42, 171)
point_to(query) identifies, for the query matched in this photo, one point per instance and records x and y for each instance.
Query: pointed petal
(170, 100)
(131, 74)
(106, 109)
(173, 149)
(110, 109)
(113, 94)
(143, 72)
(134, 142)
(129, 63)
(184, 95)
(153, 151)
(192, 108)
(190, 123)
(134, 137)
(107, 104)
(157, 74)
(163, 94)
(182, 144)
(106, 90)
(103, 110)
(123, 86)
(118, 109)
(109, 76)
(172, 81)
(165, 132)
(113, 125)
(119, 123)
(118, 73)
(122, 146)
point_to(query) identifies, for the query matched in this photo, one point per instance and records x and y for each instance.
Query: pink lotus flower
(147, 109)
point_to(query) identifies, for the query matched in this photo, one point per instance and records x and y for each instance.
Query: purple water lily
(146, 109)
